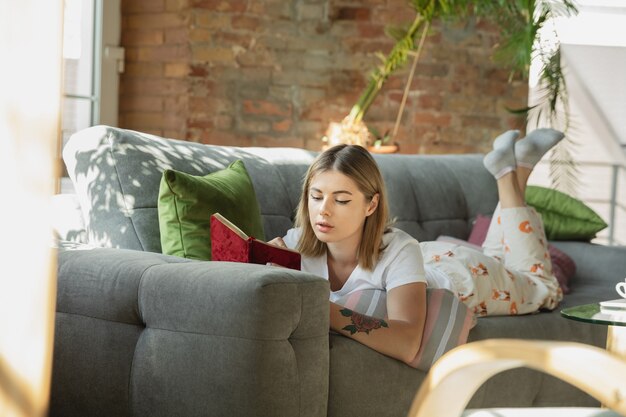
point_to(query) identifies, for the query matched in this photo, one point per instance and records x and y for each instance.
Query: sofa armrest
(597, 264)
(210, 338)
(234, 300)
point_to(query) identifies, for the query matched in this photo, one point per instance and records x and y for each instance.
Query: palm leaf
(564, 173)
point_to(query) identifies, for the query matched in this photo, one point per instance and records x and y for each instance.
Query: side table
(590, 313)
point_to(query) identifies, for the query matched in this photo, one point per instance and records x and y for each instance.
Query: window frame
(107, 64)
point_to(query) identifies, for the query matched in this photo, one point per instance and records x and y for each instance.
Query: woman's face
(337, 208)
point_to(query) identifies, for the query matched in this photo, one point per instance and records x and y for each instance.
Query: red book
(230, 243)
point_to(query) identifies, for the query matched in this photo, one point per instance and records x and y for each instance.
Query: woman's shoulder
(397, 237)
(396, 240)
(401, 260)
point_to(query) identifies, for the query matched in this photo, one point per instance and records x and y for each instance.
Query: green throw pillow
(186, 203)
(564, 217)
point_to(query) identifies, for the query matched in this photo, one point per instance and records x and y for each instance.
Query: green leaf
(523, 110)
(396, 32)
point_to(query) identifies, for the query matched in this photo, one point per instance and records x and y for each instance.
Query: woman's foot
(501, 160)
(530, 150)
(504, 139)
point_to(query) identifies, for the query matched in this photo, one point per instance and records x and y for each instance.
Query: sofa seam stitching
(189, 332)
(296, 356)
(286, 339)
(100, 318)
(131, 372)
(418, 216)
(456, 179)
(282, 182)
(117, 175)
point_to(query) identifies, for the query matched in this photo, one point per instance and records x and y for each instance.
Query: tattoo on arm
(361, 323)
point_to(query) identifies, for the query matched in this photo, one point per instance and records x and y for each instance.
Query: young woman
(342, 231)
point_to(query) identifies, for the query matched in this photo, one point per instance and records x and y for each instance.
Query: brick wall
(276, 72)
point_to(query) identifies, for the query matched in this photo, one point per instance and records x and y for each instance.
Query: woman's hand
(278, 241)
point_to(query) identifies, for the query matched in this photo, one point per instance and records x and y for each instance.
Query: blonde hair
(356, 163)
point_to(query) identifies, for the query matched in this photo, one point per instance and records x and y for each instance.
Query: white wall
(593, 48)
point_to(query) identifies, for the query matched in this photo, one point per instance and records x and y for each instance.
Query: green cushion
(564, 217)
(186, 203)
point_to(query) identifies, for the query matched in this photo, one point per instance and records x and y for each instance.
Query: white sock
(530, 150)
(504, 139)
(501, 160)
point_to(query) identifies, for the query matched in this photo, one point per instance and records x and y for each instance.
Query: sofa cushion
(116, 174)
(448, 321)
(432, 195)
(564, 217)
(186, 203)
(480, 227)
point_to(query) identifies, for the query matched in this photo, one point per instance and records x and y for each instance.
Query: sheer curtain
(30, 91)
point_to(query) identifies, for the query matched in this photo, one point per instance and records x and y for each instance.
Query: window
(92, 63)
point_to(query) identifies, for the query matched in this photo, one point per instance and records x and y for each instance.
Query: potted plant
(352, 129)
(519, 22)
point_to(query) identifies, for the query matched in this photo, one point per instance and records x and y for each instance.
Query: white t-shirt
(400, 263)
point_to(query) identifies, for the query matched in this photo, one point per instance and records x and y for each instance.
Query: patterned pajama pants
(513, 273)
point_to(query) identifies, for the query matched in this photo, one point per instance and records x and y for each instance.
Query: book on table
(230, 243)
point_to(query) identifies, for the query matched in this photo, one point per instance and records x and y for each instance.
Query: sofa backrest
(117, 172)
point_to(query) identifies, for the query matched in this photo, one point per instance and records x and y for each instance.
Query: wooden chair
(455, 377)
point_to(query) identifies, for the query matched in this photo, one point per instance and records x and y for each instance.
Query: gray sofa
(139, 333)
